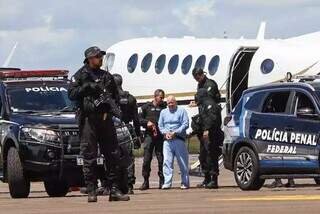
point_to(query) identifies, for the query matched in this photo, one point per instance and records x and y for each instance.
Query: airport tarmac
(305, 198)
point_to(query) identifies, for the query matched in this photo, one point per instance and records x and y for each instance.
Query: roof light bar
(32, 73)
(313, 77)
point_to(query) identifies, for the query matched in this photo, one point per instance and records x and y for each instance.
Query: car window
(276, 102)
(39, 98)
(303, 101)
(255, 102)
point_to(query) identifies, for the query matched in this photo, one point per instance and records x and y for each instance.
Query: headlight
(38, 134)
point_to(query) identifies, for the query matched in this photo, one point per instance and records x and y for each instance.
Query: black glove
(90, 87)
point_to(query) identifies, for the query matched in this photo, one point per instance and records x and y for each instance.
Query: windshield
(44, 98)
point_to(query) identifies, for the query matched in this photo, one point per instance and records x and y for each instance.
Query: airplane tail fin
(7, 62)
(262, 31)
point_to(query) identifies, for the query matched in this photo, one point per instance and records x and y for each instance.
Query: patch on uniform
(73, 79)
(209, 106)
(209, 89)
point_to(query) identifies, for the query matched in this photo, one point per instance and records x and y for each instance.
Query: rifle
(105, 99)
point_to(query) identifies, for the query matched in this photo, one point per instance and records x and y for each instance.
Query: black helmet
(197, 71)
(92, 52)
(118, 79)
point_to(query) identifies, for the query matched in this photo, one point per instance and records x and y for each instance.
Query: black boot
(145, 184)
(103, 191)
(205, 182)
(276, 183)
(92, 196)
(117, 195)
(130, 189)
(213, 184)
(290, 183)
(100, 191)
(161, 182)
(83, 190)
(106, 191)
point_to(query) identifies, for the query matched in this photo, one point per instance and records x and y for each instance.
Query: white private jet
(235, 64)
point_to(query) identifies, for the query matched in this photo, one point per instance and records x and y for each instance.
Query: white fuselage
(298, 55)
(287, 56)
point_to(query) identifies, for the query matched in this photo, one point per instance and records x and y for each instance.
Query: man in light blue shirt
(173, 123)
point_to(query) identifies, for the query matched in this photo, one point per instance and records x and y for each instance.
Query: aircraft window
(276, 102)
(110, 60)
(201, 61)
(173, 64)
(213, 65)
(267, 66)
(132, 63)
(161, 61)
(146, 62)
(186, 64)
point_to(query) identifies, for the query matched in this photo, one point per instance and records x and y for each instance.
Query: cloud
(38, 47)
(136, 16)
(194, 12)
(55, 33)
(277, 2)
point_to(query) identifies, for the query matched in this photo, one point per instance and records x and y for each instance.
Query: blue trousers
(175, 148)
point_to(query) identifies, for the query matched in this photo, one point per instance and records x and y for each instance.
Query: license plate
(80, 161)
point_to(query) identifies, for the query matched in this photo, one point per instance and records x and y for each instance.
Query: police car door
(305, 126)
(268, 129)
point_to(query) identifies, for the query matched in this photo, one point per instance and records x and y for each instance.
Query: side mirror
(307, 113)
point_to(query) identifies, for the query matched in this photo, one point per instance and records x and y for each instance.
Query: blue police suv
(39, 138)
(273, 132)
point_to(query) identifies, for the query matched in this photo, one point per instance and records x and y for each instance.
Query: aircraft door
(239, 75)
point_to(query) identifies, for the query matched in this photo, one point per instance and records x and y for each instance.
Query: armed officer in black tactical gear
(149, 116)
(95, 93)
(129, 109)
(211, 87)
(209, 124)
(204, 82)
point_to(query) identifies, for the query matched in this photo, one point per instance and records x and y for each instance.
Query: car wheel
(56, 187)
(246, 170)
(19, 184)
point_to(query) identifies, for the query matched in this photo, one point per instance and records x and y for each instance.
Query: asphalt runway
(305, 198)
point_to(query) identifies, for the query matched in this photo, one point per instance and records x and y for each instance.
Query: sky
(54, 34)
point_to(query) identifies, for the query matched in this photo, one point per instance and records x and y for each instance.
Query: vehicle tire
(56, 187)
(246, 170)
(19, 184)
(317, 180)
